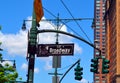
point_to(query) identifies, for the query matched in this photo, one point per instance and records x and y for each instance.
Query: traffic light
(94, 65)
(105, 66)
(78, 72)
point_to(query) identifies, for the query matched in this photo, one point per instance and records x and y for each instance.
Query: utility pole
(57, 57)
(32, 38)
(32, 41)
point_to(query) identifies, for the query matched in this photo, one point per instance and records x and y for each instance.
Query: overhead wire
(75, 21)
(49, 12)
(61, 21)
(71, 29)
(66, 67)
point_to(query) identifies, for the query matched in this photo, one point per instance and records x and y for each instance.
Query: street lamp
(24, 26)
(1, 60)
(14, 64)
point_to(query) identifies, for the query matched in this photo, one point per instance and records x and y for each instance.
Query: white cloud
(84, 81)
(48, 61)
(16, 44)
(25, 68)
(78, 49)
(36, 70)
(48, 66)
(7, 62)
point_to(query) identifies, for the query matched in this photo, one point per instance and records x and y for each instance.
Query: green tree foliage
(7, 72)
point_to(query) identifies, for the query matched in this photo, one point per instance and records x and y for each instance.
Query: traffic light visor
(106, 61)
(94, 60)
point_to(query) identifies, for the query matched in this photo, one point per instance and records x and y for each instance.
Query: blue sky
(14, 40)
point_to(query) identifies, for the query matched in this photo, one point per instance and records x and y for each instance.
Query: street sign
(55, 49)
(38, 10)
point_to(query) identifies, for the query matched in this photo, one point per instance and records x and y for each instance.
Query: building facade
(112, 21)
(99, 37)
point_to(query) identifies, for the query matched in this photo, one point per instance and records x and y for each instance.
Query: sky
(14, 39)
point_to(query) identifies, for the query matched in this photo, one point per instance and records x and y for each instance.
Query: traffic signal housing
(78, 72)
(105, 66)
(94, 65)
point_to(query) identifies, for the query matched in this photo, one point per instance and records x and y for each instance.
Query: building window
(103, 26)
(103, 76)
(98, 1)
(103, 33)
(96, 77)
(103, 23)
(96, 53)
(97, 33)
(97, 20)
(103, 81)
(97, 26)
(103, 5)
(104, 0)
(97, 81)
(103, 8)
(98, 5)
(97, 17)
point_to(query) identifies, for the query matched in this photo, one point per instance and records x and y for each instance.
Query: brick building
(112, 21)
(99, 37)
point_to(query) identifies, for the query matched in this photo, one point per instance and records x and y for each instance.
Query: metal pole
(31, 50)
(69, 70)
(77, 37)
(56, 57)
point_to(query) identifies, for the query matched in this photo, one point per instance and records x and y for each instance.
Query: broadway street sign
(55, 49)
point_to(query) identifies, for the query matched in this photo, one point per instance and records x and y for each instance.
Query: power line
(75, 20)
(49, 12)
(71, 29)
(61, 21)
